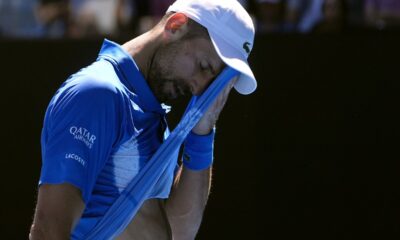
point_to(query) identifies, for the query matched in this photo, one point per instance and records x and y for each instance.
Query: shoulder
(90, 91)
(99, 77)
(96, 83)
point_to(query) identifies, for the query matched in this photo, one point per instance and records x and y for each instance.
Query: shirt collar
(114, 53)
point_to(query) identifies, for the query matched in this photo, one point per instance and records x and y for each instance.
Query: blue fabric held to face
(119, 215)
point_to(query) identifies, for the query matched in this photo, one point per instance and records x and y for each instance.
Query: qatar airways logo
(83, 135)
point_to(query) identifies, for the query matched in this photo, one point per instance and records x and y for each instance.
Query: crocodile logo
(246, 47)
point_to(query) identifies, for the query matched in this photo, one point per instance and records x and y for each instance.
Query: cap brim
(246, 83)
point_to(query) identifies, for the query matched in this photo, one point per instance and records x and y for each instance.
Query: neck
(142, 49)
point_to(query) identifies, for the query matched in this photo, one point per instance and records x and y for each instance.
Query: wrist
(198, 151)
(202, 129)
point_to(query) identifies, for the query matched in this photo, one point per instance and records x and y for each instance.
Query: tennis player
(106, 121)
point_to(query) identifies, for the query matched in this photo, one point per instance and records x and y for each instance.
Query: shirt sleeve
(80, 128)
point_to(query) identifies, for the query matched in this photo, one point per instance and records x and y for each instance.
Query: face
(183, 67)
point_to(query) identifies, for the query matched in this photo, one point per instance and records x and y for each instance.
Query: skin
(173, 67)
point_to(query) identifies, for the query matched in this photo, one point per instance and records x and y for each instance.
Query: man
(105, 122)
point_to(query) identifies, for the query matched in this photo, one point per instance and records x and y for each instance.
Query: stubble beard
(160, 75)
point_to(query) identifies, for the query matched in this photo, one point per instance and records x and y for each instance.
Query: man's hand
(210, 117)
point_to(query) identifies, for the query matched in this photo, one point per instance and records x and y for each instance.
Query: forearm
(58, 209)
(187, 201)
(189, 195)
(39, 231)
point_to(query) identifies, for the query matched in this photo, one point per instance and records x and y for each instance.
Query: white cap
(231, 31)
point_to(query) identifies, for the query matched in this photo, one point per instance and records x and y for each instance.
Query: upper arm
(80, 128)
(59, 207)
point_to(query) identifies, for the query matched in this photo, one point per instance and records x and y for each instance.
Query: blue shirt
(101, 127)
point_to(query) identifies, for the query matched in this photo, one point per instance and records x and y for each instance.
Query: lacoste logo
(246, 47)
(76, 158)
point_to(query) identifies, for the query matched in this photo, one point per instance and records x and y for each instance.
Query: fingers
(210, 117)
(230, 85)
(223, 97)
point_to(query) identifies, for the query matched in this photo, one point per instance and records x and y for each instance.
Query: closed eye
(206, 66)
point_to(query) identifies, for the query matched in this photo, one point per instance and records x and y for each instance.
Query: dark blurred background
(82, 19)
(313, 153)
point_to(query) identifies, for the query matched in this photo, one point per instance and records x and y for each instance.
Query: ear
(176, 26)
